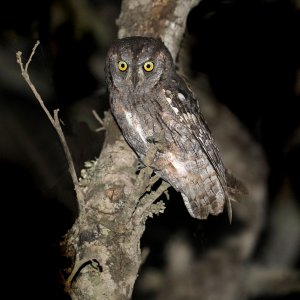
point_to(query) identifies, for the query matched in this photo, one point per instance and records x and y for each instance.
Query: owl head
(138, 64)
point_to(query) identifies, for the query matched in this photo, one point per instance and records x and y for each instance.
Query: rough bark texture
(104, 243)
(163, 19)
(105, 240)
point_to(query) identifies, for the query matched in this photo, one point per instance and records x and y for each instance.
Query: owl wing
(191, 115)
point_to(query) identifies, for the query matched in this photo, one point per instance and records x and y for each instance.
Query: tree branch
(117, 200)
(104, 242)
(54, 121)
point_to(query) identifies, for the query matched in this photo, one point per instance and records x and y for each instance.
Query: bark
(104, 242)
(163, 19)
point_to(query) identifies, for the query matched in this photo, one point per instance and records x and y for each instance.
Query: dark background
(248, 49)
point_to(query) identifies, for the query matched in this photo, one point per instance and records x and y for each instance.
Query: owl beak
(134, 79)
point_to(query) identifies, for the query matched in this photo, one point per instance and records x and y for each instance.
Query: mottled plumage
(150, 100)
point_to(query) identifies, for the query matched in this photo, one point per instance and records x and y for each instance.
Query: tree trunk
(104, 242)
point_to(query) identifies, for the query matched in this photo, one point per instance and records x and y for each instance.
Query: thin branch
(31, 56)
(98, 118)
(54, 121)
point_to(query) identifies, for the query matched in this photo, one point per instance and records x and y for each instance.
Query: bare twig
(31, 56)
(54, 121)
(98, 118)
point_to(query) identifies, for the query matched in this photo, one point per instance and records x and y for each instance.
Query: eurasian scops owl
(147, 98)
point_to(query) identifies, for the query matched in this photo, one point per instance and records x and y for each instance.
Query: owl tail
(235, 190)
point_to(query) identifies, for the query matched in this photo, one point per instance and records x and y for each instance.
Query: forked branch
(54, 121)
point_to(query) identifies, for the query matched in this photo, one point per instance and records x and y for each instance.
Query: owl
(153, 104)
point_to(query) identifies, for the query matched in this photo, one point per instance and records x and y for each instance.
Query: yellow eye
(148, 66)
(122, 65)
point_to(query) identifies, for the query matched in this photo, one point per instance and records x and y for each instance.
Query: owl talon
(150, 140)
(157, 146)
(157, 140)
(140, 166)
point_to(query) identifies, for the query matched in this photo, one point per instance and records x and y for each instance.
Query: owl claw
(156, 146)
(153, 140)
(157, 140)
(140, 166)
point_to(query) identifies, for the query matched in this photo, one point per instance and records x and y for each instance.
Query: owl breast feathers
(150, 101)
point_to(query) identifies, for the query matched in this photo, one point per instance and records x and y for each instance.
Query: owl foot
(158, 140)
(152, 139)
(140, 165)
(157, 145)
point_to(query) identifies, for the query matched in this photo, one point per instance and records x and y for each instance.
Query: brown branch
(54, 121)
